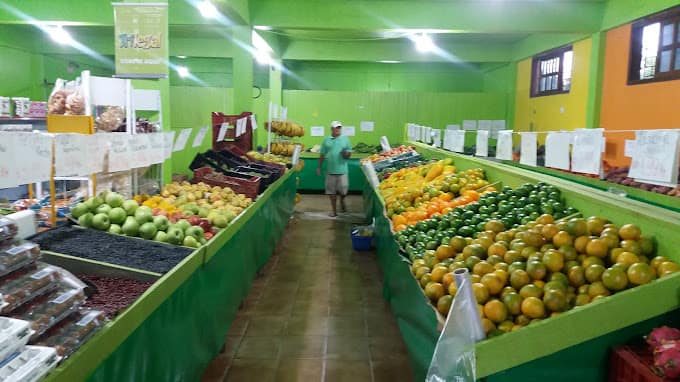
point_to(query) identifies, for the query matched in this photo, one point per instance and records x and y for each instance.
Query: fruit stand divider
(310, 182)
(591, 329)
(179, 324)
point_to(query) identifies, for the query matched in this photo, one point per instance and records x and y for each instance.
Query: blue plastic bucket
(360, 243)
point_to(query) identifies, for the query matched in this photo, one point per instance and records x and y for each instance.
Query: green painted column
(596, 75)
(243, 70)
(276, 82)
(512, 90)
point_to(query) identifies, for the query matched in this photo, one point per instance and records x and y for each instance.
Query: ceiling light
(60, 35)
(182, 71)
(389, 61)
(207, 9)
(262, 27)
(260, 44)
(423, 42)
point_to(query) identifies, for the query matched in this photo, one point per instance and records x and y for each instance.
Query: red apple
(205, 224)
(208, 235)
(194, 220)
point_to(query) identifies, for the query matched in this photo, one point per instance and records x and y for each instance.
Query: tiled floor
(316, 313)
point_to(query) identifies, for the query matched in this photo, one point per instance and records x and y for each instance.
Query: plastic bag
(454, 355)
(75, 101)
(57, 101)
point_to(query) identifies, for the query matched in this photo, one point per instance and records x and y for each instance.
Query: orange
(580, 243)
(476, 278)
(545, 219)
(631, 246)
(657, 261)
(594, 272)
(533, 239)
(555, 300)
(434, 291)
(553, 260)
(487, 325)
(457, 243)
(536, 270)
(577, 276)
(511, 256)
(612, 240)
(494, 259)
(426, 279)
(493, 283)
(495, 311)
(482, 268)
(501, 266)
(497, 249)
(439, 272)
(399, 220)
(577, 227)
(452, 289)
(519, 278)
(444, 304)
(614, 254)
(474, 250)
(647, 245)
(506, 326)
(595, 225)
(549, 231)
(481, 292)
(400, 227)
(598, 289)
(590, 260)
(444, 252)
(522, 320)
(447, 279)
(667, 267)
(494, 225)
(513, 302)
(582, 299)
(485, 242)
(562, 238)
(472, 194)
(627, 258)
(629, 232)
(532, 307)
(530, 290)
(597, 247)
(539, 283)
(502, 274)
(615, 279)
(640, 273)
(420, 271)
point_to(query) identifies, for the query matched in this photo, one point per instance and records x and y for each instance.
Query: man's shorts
(336, 184)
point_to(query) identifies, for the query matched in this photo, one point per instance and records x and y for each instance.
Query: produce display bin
(311, 183)
(574, 345)
(195, 302)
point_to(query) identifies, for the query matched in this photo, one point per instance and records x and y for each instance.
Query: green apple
(145, 208)
(96, 202)
(131, 227)
(183, 224)
(195, 231)
(115, 228)
(220, 221)
(143, 216)
(203, 212)
(79, 210)
(85, 220)
(175, 235)
(161, 222)
(103, 209)
(101, 222)
(114, 199)
(161, 237)
(117, 215)
(148, 231)
(130, 207)
(190, 241)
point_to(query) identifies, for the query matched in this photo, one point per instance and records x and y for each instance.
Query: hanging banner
(140, 40)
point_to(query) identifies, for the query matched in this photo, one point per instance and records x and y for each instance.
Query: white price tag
(504, 145)
(482, 143)
(366, 126)
(348, 131)
(436, 138)
(296, 155)
(70, 155)
(557, 150)
(458, 141)
(119, 152)
(253, 122)
(586, 154)
(139, 150)
(223, 132)
(156, 152)
(385, 144)
(655, 157)
(182, 140)
(168, 141)
(317, 131)
(529, 149)
(35, 161)
(200, 136)
(8, 175)
(97, 148)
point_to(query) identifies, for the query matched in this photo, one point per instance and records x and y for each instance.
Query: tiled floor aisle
(316, 313)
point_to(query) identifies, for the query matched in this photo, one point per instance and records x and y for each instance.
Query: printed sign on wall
(140, 40)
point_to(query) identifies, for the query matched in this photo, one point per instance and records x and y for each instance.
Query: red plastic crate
(248, 187)
(632, 364)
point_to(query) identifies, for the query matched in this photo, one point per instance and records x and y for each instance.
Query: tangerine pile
(541, 269)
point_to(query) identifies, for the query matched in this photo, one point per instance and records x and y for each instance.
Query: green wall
(213, 72)
(353, 76)
(22, 74)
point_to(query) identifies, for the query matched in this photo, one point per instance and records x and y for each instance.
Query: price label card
(529, 147)
(371, 176)
(98, 148)
(629, 148)
(35, 162)
(469, 125)
(586, 153)
(436, 138)
(504, 145)
(385, 144)
(253, 122)
(70, 155)
(168, 141)
(655, 157)
(182, 140)
(8, 175)
(223, 132)
(452, 127)
(157, 147)
(482, 143)
(448, 140)
(200, 136)
(366, 126)
(119, 152)
(557, 150)
(296, 155)
(458, 141)
(317, 131)
(348, 131)
(139, 150)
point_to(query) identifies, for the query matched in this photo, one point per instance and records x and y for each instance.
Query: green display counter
(310, 182)
(575, 344)
(178, 325)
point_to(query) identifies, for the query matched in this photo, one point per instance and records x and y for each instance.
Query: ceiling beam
(396, 50)
(482, 16)
(539, 43)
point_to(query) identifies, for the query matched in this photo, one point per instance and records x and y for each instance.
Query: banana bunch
(289, 129)
(284, 148)
(269, 157)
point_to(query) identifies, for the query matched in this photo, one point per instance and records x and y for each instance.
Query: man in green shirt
(337, 150)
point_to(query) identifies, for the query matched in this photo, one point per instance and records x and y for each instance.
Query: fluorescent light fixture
(60, 35)
(262, 27)
(207, 9)
(181, 56)
(182, 71)
(260, 44)
(389, 61)
(423, 42)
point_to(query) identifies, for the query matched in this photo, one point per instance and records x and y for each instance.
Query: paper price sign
(168, 140)
(97, 148)
(385, 144)
(296, 155)
(655, 157)
(139, 150)
(436, 138)
(557, 150)
(198, 140)
(458, 141)
(586, 154)
(157, 147)
(35, 162)
(70, 155)
(348, 131)
(223, 132)
(8, 177)
(253, 122)
(529, 148)
(119, 152)
(482, 143)
(504, 145)
(366, 125)
(182, 140)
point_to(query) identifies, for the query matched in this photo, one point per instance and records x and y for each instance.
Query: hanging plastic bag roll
(454, 355)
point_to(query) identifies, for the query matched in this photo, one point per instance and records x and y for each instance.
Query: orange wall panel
(632, 107)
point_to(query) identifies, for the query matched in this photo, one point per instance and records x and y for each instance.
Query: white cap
(335, 124)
